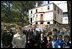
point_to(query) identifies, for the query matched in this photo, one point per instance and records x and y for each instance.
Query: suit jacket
(35, 39)
(19, 41)
(7, 37)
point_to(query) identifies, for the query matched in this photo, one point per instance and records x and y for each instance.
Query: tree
(17, 10)
(23, 7)
(6, 11)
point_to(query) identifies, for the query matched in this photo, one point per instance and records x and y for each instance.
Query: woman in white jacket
(19, 39)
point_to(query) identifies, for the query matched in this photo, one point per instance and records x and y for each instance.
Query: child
(54, 40)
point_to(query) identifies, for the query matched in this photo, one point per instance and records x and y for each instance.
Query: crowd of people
(33, 38)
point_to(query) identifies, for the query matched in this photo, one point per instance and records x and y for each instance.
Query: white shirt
(53, 44)
(34, 32)
(19, 41)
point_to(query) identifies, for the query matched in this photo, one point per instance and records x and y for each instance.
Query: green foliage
(16, 11)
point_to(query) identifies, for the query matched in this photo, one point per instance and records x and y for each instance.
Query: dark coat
(45, 42)
(7, 37)
(35, 39)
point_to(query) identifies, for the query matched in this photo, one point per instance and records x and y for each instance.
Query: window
(36, 10)
(55, 8)
(58, 11)
(41, 14)
(48, 7)
(55, 16)
(48, 22)
(31, 20)
(31, 12)
(41, 17)
(54, 22)
(41, 22)
(36, 22)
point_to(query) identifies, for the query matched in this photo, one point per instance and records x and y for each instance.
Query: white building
(47, 14)
(65, 18)
(62, 5)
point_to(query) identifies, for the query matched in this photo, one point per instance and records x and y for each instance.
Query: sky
(61, 4)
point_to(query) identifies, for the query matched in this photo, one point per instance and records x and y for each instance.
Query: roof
(41, 6)
(45, 5)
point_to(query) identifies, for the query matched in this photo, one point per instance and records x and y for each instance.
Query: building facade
(47, 14)
(65, 18)
(62, 5)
